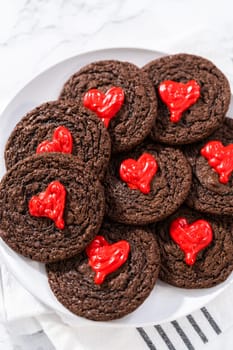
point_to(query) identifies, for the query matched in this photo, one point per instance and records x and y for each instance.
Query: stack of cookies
(126, 178)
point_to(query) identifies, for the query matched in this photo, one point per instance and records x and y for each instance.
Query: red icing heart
(50, 203)
(61, 142)
(139, 173)
(220, 158)
(191, 238)
(178, 97)
(105, 258)
(104, 105)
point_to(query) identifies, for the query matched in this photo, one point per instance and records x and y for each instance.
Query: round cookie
(72, 281)
(134, 120)
(213, 264)
(207, 193)
(91, 141)
(168, 188)
(201, 118)
(40, 238)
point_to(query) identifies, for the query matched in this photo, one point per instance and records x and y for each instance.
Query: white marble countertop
(35, 34)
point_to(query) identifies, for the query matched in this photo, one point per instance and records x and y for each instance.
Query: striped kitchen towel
(210, 327)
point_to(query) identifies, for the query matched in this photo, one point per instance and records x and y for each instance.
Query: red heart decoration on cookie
(178, 96)
(105, 258)
(191, 238)
(105, 105)
(220, 158)
(61, 142)
(50, 203)
(138, 174)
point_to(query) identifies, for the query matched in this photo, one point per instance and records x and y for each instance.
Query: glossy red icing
(105, 258)
(138, 174)
(61, 142)
(191, 238)
(105, 105)
(178, 97)
(220, 158)
(50, 203)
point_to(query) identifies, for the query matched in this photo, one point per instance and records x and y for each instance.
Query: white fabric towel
(22, 314)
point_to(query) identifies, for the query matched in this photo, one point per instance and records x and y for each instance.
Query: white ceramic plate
(165, 302)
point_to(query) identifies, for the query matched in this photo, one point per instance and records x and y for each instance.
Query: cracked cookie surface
(37, 237)
(206, 114)
(91, 141)
(207, 194)
(72, 281)
(135, 118)
(213, 264)
(168, 188)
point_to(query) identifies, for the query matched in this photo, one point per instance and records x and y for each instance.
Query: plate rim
(20, 90)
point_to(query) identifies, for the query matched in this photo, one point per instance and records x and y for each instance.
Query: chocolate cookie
(90, 140)
(74, 281)
(51, 207)
(147, 184)
(184, 116)
(200, 254)
(208, 194)
(134, 101)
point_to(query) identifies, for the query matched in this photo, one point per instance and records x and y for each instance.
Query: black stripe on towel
(183, 336)
(146, 338)
(165, 338)
(197, 328)
(211, 320)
